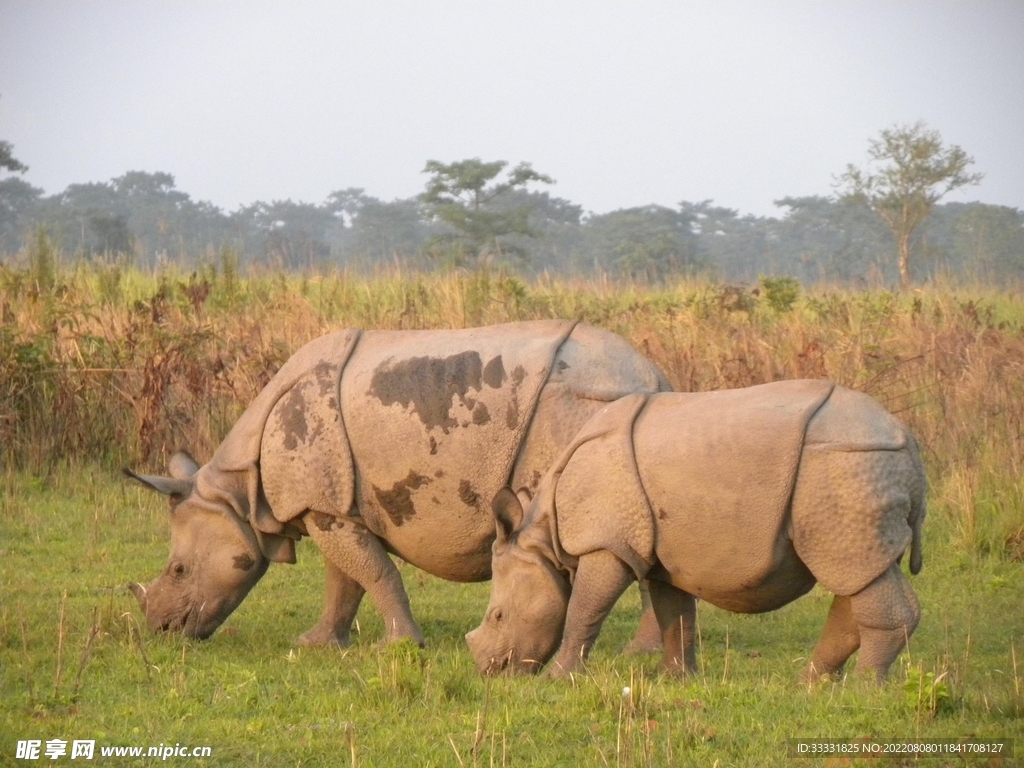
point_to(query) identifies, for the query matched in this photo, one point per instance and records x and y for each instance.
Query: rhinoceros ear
(182, 466)
(169, 486)
(508, 512)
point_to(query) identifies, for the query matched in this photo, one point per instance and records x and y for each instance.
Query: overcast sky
(622, 103)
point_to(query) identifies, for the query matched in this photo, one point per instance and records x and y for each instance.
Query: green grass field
(102, 366)
(75, 665)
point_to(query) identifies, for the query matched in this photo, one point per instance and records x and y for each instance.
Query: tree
(820, 238)
(18, 201)
(914, 172)
(466, 196)
(7, 159)
(647, 243)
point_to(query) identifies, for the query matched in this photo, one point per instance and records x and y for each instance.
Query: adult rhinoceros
(373, 442)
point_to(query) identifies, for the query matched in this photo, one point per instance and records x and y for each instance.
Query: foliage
(8, 161)
(781, 293)
(100, 372)
(648, 243)
(142, 218)
(926, 691)
(467, 196)
(914, 172)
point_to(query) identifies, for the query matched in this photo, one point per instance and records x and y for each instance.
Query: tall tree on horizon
(467, 196)
(914, 171)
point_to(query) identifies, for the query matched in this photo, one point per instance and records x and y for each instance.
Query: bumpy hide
(595, 493)
(233, 474)
(413, 430)
(845, 527)
(305, 458)
(435, 421)
(711, 472)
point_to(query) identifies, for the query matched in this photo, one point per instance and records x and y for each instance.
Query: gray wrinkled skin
(744, 498)
(378, 443)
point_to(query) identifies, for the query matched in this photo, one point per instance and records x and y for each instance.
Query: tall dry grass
(101, 362)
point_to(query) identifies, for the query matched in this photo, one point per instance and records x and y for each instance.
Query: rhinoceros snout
(487, 663)
(481, 658)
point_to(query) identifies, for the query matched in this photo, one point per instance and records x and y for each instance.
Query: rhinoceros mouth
(511, 663)
(178, 623)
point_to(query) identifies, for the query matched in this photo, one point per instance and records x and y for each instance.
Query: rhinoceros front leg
(676, 612)
(357, 552)
(342, 596)
(648, 634)
(601, 578)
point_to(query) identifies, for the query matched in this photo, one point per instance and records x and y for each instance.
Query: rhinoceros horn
(140, 593)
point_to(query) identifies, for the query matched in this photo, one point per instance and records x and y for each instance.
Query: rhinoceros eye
(497, 615)
(178, 570)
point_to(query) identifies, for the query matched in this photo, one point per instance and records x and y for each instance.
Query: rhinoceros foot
(323, 636)
(648, 635)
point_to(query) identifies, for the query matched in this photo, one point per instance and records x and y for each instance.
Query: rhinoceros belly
(422, 525)
(783, 584)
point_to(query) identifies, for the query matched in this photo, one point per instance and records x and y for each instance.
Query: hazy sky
(623, 103)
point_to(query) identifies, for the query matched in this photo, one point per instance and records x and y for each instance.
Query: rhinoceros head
(215, 555)
(529, 596)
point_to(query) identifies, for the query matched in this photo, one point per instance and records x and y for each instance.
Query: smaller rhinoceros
(743, 498)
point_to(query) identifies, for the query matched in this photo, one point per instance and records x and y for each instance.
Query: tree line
(884, 225)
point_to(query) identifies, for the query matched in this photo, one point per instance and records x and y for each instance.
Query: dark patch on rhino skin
(662, 514)
(326, 522)
(324, 372)
(293, 418)
(494, 372)
(433, 446)
(481, 415)
(439, 474)
(428, 385)
(397, 502)
(512, 412)
(535, 481)
(562, 365)
(244, 562)
(469, 497)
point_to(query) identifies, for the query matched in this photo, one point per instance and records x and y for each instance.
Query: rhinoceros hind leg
(341, 603)
(887, 613)
(648, 634)
(355, 551)
(676, 613)
(839, 639)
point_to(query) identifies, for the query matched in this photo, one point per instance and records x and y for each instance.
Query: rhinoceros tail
(917, 509)
(917, 512)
